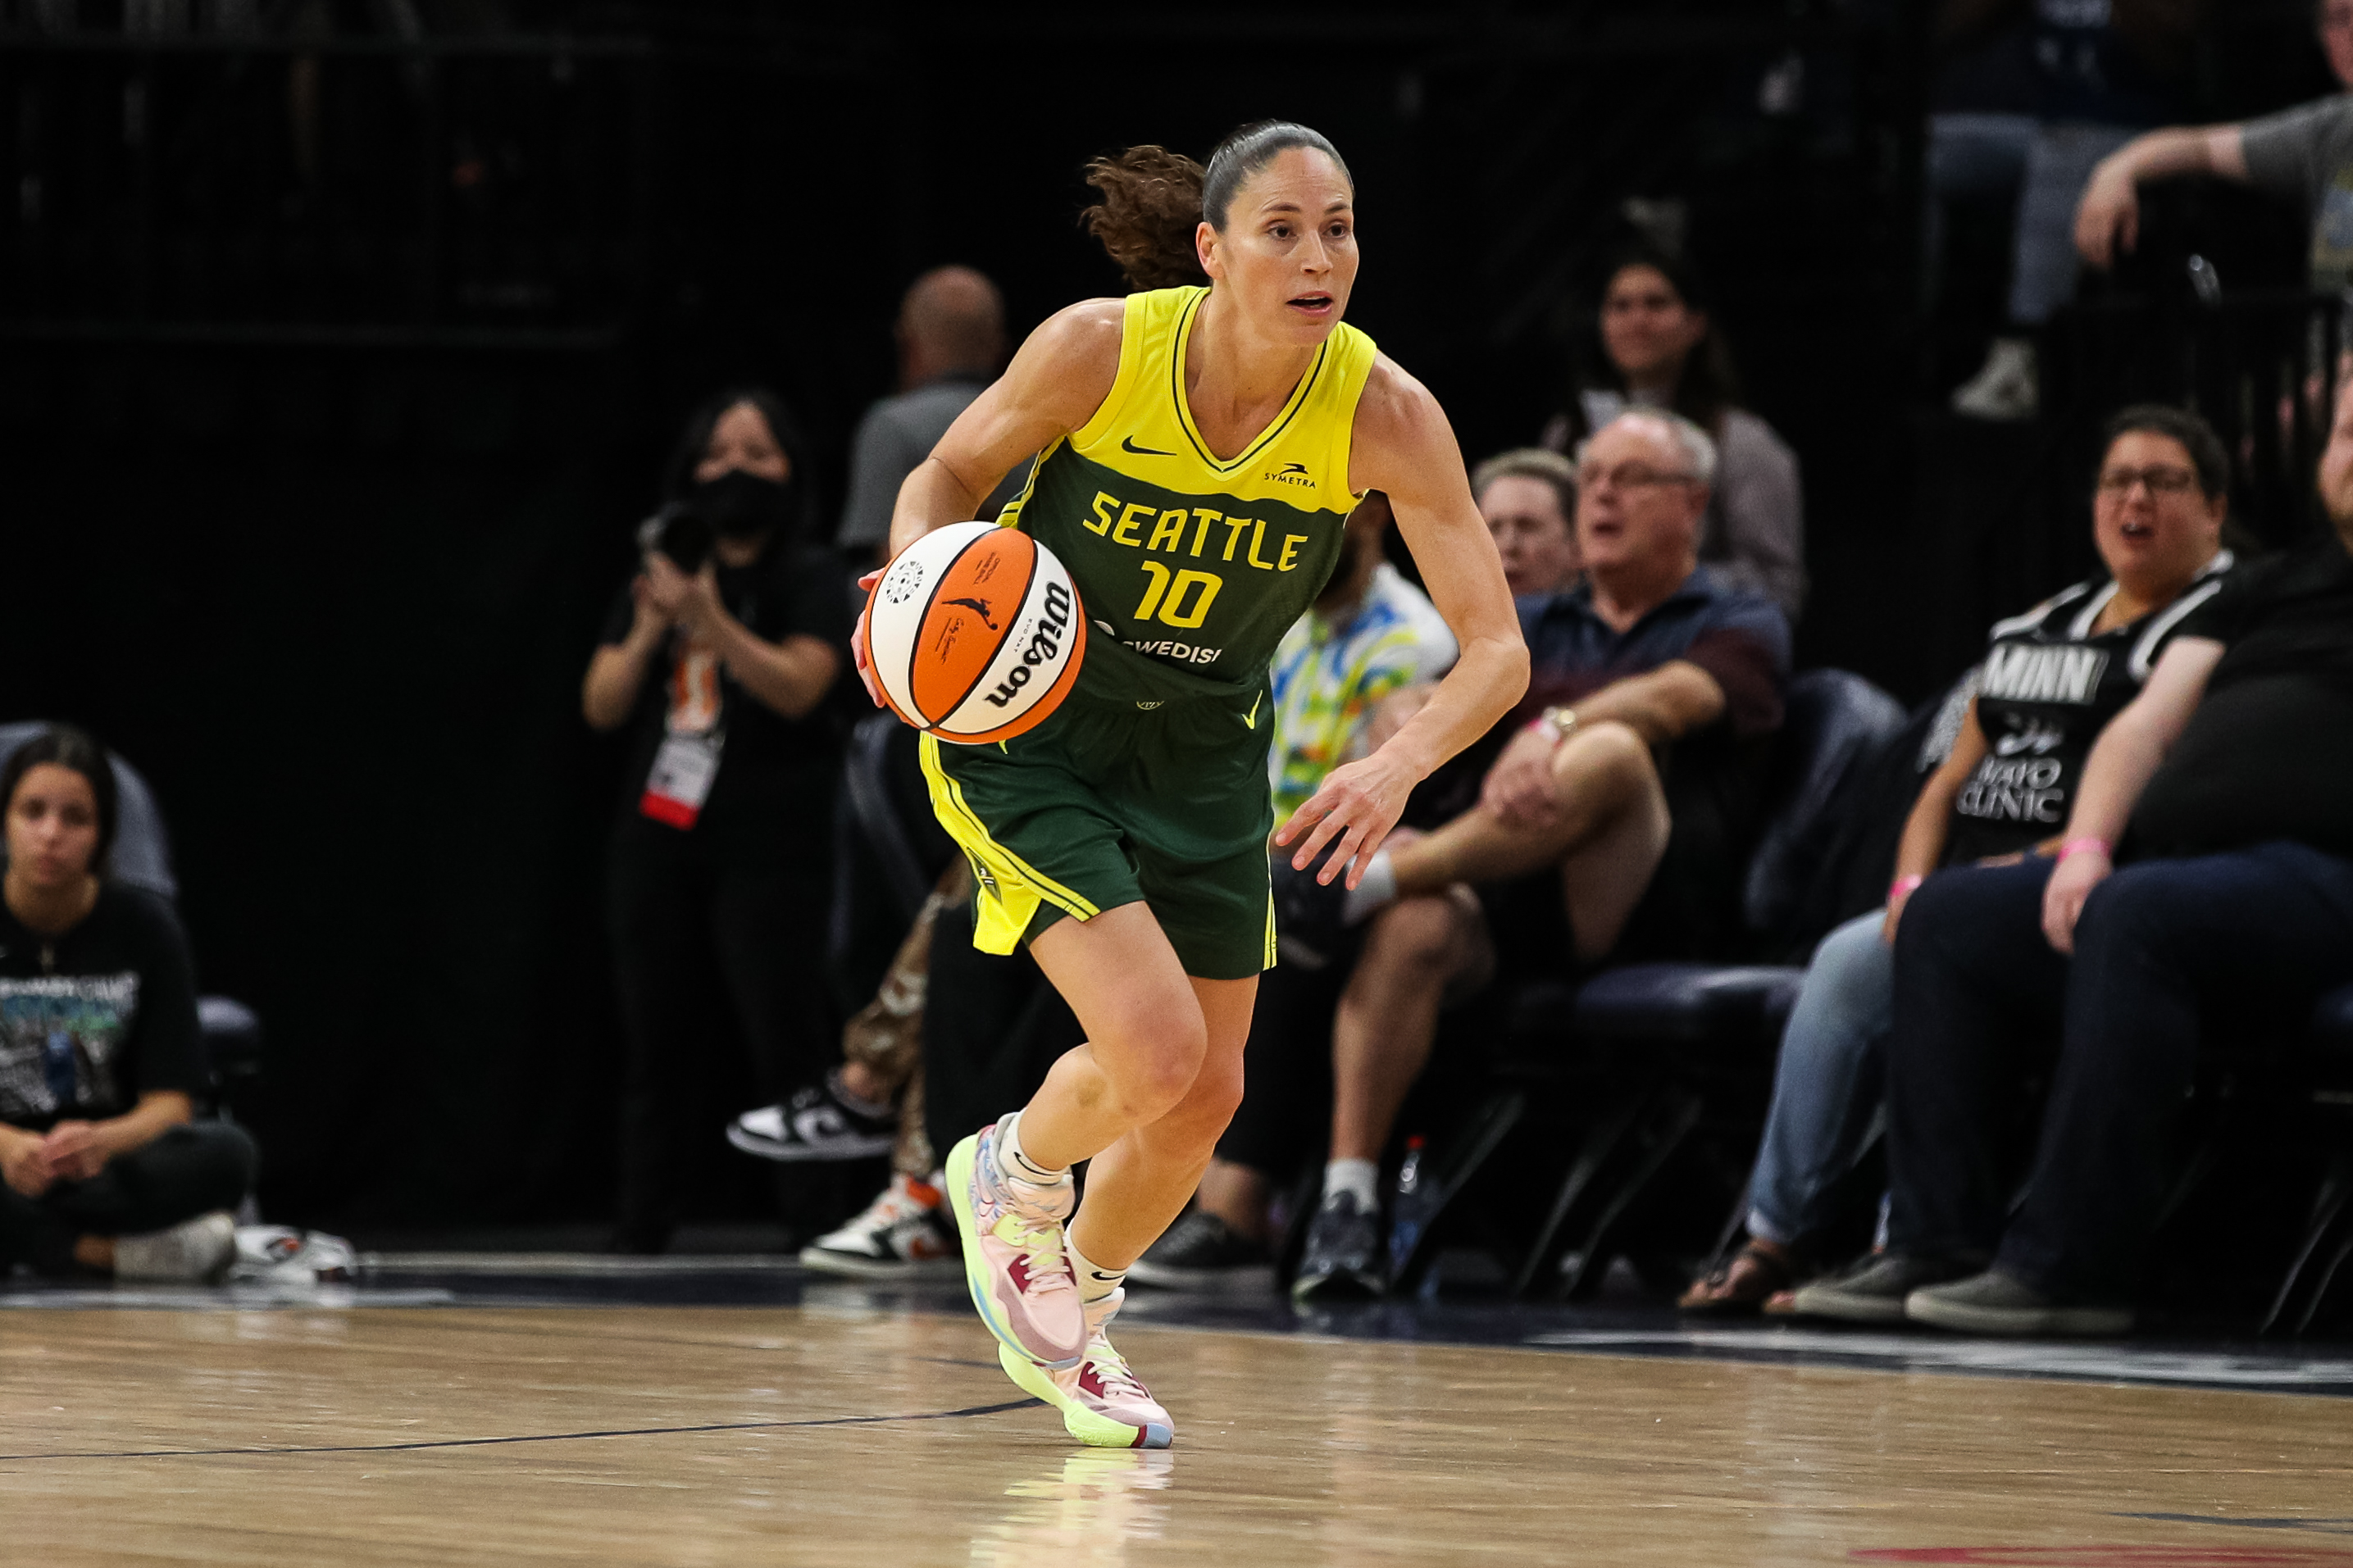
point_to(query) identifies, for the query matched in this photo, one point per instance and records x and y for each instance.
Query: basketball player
(1202, 447)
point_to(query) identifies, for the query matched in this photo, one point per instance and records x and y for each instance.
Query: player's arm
(1405, 447)
(1055, 384)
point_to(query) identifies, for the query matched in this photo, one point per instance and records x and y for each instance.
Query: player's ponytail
(1150, 209)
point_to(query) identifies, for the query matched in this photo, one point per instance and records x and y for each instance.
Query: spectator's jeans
(2048, 165)
(1827, 1084)
(2247, 940)
(191, 1169)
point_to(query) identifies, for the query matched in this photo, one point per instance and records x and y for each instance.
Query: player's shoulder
(1398, 419)
(1070, 363)
(1089, 330)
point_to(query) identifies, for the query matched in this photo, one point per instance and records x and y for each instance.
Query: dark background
(341, 341)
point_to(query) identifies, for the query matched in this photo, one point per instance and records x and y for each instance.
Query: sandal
(1758, 1270)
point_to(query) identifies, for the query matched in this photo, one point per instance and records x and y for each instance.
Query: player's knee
(1158, 1059)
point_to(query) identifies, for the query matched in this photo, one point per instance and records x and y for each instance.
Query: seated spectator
(1651, 680)
(1369, 634)
(1662, 350)
(2226, 790)
(106, 1170)
(718, 658)
(2094, 75)
(2303, 154)
(951, 335)
(2053, 679)
(1528, 497)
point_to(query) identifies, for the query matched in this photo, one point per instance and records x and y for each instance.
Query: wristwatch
(1561, 720)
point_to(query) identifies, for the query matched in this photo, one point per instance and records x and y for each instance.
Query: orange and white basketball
(975, 633)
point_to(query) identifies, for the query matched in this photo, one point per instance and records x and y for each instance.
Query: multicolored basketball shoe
(1104, 1403)
(1015, 1259)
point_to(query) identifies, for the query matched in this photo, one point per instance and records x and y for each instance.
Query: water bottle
(1413, 1204)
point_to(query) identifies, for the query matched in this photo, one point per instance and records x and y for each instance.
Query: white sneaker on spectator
(2008, 386)
(280, 1254)
(196, 1250)
(905, 1234)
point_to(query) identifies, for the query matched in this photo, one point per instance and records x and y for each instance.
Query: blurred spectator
(951, 334)
(2226, 787)
(2304, 155)
(100, 1060)
(2053, 679)
(1663, 351)
(1528, 497)
(1650, 656)
(2098, 72)
(718, 657)
(990, 1029)
(1369, 634)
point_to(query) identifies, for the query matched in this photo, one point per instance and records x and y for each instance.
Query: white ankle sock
(1094, 1283)
(1374, 894)
(1361, 1177)
(1014, 1163)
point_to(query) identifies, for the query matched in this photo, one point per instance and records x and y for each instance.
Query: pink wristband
(2084, 846)
(1903, 886)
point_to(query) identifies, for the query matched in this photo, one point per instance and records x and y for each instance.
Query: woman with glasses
(2052, 679)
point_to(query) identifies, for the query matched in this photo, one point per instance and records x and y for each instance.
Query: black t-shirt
(2047, 688)
(91, 1020)
(2269, 752)
(767, 763)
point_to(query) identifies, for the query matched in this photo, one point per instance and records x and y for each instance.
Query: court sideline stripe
(531, 1437)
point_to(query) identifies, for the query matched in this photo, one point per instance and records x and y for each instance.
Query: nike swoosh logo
(1252, 720)
(1128, 443)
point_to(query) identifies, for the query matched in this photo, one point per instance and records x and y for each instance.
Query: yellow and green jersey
(1197, 564)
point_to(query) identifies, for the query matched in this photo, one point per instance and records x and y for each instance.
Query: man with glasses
(1612, 810)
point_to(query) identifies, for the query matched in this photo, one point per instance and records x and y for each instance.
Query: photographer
(719, 657)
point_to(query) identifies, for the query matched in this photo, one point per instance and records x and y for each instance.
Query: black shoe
(1343, 1257)
(1202, 1252)
(1308, 929)
(1873, 1289)
(816, 1124)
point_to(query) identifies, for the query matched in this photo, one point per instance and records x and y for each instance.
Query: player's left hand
(2070, 884)
(1354, 811)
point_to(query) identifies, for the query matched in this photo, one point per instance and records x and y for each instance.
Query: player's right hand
(858, 642)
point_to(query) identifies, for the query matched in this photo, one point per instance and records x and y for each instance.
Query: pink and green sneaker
(1104, 1403)
(1015, 1259)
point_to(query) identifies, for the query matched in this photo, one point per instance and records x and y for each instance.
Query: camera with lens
(681, 531)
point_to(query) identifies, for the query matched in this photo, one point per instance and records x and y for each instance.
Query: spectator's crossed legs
(2166, 950)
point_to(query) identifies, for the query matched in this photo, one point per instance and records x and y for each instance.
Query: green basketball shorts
(1116, 802)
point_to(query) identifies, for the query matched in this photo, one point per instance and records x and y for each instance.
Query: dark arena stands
(1855, 1064)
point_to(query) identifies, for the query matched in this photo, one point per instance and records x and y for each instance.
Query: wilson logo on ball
(975, 633)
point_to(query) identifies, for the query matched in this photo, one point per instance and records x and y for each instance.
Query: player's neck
(1237, 379)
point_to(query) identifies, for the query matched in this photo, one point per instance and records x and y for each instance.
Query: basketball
(975, 633)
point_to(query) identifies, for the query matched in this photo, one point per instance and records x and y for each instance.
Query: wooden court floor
(845, 1437)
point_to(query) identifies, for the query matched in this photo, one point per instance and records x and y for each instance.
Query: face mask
(739, 505)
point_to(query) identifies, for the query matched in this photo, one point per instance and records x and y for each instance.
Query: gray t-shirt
(2306, 154)
(897, 434)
